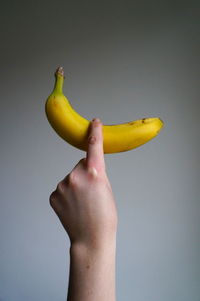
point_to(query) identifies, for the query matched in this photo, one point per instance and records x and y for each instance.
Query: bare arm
(85, 205)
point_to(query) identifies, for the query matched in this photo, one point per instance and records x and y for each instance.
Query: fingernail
(96, 120)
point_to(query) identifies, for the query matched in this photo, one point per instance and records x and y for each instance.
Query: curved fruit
(73, 128)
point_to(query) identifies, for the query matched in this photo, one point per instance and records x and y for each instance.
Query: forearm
(92, 273)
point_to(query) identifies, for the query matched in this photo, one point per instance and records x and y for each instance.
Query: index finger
(95, 153)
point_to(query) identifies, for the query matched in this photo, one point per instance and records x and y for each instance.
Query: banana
(73, 128)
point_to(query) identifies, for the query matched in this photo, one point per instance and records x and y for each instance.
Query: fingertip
(95, 131)
(96, 121)
(95, 152)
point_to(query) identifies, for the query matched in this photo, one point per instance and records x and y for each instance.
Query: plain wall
(123, 60)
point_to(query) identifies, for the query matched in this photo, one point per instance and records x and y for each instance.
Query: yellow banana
(73, 128)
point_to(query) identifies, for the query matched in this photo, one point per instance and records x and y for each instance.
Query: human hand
(84, 200)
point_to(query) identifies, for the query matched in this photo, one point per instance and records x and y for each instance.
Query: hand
(84, 200)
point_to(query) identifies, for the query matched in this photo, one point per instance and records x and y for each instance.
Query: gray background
(123, 60)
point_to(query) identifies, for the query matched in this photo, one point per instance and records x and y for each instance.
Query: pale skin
(85, 205)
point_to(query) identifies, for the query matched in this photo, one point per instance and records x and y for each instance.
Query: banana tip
(60, 71)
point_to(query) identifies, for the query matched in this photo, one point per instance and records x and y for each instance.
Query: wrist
(101, 259)
(93, 242)
(95, 248)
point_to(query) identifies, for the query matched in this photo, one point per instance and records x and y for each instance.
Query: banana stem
(59, 75)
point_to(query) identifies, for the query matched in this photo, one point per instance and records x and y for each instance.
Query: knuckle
(92, 139)
(72, 179)
(92, 172)
(60, 187)
(52, 199)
